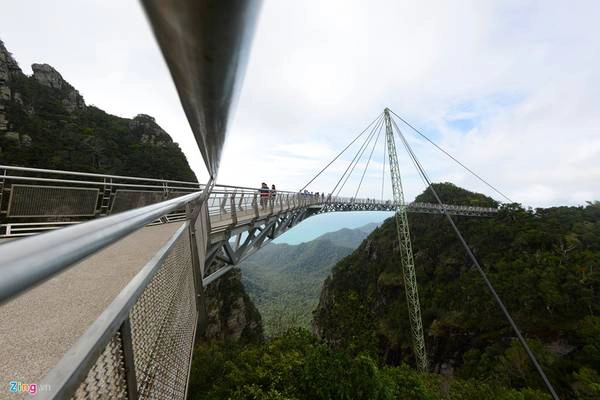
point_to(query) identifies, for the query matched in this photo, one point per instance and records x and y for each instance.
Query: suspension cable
(355, 155)
(368, 161)
(452, 157)
(464, 243)
(412, 159)
(359, 155)
(345, 148)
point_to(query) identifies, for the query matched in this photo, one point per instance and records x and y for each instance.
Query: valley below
(285, 281)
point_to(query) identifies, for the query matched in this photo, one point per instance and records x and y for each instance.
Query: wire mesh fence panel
(106, 379)
(130, 199)
(48, 201)
(163, 324)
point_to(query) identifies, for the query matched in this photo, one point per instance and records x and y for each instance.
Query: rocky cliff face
(45, 123)
(8, 69)
(232, 316)
(149, 131)
(48, 76)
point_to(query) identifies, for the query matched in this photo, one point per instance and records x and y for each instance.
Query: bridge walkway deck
(39, 326)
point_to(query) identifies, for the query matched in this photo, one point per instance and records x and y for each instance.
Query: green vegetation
(544, 263)
(298, 366)
(232, 316)
(284, 280)
(50, 127)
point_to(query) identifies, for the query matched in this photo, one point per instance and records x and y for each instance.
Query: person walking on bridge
(273, 194)
(264, 195)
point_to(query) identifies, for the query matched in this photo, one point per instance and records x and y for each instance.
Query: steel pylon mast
(406, 253)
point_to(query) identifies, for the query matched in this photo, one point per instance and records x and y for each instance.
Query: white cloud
(511, 88)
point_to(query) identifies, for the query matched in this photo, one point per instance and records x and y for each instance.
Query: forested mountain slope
(347, 237)
(544, 263)
(285, 280)
(45, 123)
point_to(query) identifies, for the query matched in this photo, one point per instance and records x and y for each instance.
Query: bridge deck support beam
(198, 246)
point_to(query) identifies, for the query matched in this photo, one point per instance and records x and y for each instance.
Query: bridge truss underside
(233, 242)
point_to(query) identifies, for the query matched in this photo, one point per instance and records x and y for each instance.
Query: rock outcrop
(48, 76)
(8, 69)
(232, 316)
(149, 131)
(8, 66)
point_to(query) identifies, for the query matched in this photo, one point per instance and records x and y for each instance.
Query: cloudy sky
(511, 88)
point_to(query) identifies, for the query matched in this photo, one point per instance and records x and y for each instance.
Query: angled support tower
(406, 254)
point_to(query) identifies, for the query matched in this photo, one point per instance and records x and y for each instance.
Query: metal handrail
(219, 188)
(97, 183)
(27, 262)
(66, 376)
(63, 172)
(452, 206)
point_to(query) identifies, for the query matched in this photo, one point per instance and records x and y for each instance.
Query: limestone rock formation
(8, 65)
(48, 76)
(149, 131)
(3, 120)
(8, 69)
(232, 316)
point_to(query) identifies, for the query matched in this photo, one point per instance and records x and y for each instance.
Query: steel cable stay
(342, 152)
(411, 159)
(362, 151)
(467, 248)
(352, 163)
(452, 157)
(368, 161)
(332, 192)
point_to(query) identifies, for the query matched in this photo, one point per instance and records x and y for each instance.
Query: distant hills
(350, 238)
(285, 280)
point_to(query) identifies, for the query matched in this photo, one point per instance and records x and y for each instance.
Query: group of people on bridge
(316, 196)
(267, 194)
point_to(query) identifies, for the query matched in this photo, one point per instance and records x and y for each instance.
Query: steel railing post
(255, 205)
(233, 209)
(240, 202)
(222, 209)
(193, 215)
(128, 359)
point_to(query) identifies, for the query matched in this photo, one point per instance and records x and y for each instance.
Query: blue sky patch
(469, 114)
